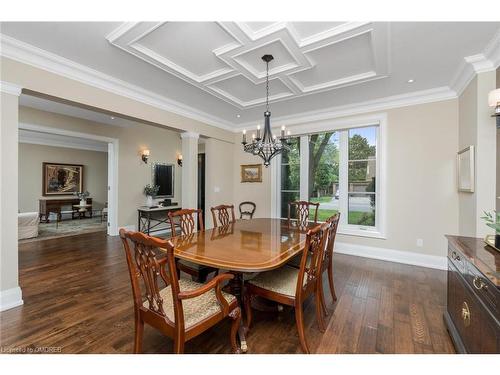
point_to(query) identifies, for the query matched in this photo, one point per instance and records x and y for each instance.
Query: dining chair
(224, 214)
(291, 286)
(187, 224)
(302, 212)
(182, 309)
(247, 212)
(327, 263)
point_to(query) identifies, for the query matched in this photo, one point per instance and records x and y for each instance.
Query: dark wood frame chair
(327, 263)
(302, 210)
(248, 213)
(221, 212)
(153, 266)
(307, 284)
(187, 225)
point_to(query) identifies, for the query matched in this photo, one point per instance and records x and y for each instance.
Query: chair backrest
(187, 220)
(332, 233)
(248, 212)
(314, 249)
(221, 212)
(302, 212)
(147, 263)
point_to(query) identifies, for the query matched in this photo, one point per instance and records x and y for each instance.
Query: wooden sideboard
(48, 205)
(473, 302)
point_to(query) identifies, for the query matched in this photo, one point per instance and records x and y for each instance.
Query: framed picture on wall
(465, 170)
(251, 173)
(61, 179)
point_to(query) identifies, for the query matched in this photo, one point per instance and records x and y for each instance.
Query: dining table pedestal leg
(236, 289)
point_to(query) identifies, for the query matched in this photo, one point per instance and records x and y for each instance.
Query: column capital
(10, 88)
(190, 135)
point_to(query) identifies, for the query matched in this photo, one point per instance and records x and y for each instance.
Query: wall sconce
(179, 160)
(494, 101)
(145, 156)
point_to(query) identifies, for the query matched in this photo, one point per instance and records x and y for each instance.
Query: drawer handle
(466, 314)
(455, 256)
(479, 283)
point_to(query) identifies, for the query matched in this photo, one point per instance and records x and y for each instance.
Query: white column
(190, 170)
(10, 292)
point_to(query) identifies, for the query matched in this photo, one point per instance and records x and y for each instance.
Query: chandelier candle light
(268, 145)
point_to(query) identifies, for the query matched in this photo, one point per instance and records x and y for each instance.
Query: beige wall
(8, 200)
(219, 176)
(477, 128)
(31, 157)
(133, 174)
(422, 200)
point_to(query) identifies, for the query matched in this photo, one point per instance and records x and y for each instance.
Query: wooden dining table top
(245, 246)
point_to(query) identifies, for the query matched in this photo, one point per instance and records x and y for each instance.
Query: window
(339, 169)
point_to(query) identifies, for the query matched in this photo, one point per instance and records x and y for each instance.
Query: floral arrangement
(82, 195)
(492, 220)
(151, 190)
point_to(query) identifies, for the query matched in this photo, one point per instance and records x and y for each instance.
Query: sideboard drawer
(457, 259)
(487, 292)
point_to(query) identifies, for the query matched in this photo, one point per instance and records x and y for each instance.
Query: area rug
(67, 228)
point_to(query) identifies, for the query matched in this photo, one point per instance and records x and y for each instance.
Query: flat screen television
(163, 176)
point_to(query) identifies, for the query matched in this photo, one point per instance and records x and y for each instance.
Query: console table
(473, 302)
(150, 220)
(47, 205)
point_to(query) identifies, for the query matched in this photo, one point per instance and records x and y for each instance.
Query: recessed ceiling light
(238, 116)
(411, 80)
(112, 118)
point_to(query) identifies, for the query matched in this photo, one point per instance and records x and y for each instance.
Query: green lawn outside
(355, 217)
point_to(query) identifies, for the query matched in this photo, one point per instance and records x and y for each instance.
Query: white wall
(31, 157)
(422, 199)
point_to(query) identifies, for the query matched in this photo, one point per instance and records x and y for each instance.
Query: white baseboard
(397, 256)
(11, 298)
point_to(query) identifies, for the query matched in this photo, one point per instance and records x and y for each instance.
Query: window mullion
(304, 168)
(343, 175)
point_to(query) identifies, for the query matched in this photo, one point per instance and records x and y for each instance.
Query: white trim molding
(11, 298)
(10, 88)
(190, 135)
(391, 255)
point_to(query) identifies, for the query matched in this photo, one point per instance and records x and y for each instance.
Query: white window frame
(341, 125)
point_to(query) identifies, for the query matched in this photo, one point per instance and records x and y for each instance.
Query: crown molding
(10, 88)
(486, 61)
(404, 100)
(39, 58)
(46, 139)
(190, 135)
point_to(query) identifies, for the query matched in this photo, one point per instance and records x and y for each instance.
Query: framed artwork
(61, 179)
(465, 170)
(251, 173)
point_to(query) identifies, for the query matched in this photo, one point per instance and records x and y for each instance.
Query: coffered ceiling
(215, 68)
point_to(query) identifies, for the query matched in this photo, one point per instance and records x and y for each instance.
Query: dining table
(242, 247)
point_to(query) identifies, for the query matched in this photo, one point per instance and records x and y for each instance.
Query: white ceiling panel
(307, 29)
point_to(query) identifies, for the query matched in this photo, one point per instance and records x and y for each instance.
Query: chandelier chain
(267, 86)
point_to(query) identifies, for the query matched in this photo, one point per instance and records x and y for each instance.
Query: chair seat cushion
(195, 309)
(282, 280)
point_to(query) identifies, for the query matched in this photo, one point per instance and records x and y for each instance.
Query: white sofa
(27, 225)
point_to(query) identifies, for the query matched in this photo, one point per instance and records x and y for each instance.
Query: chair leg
(320, 309)
(330, 280)
(299, 319)
(321, 292)
(179, 345)
(235, 315)
(247, 301)
(139, 332)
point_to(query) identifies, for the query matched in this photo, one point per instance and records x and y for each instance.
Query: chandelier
(268, 145)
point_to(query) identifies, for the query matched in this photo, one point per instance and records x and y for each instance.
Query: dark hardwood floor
(77, 297)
